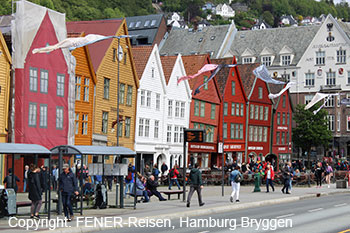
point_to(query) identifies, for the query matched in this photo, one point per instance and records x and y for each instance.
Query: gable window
(60, 85)
(266, 61)
(286, 60)
(104, 122)
(33, 79)
(59, 117)
(212, 112)
(121, 93)
(32, 115)
(157, 102)
(310, 79)
(205, 83)
(127, 127)
(44, 81)
(43, 116)
(143, 97)
(182, 110)
(247, 60)
(114, 54)
(156, 129)
(233, 88)
(196, 108)
(149, 99)
(266, 115)
(242, 109)
(284, 101)
(320, 57)
(225, 108)
(129, 96)
(106, 82)
(84, 128)
(202, 109)
(177, 109)
(77, 87)
(341, 56)
(278, 118)
(170, 108)
(260, 90)
(330, 80)
(152, 72)
(86, 89)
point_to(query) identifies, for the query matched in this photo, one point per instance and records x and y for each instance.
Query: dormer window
(286, 60)
(147, 23)
(266, 60)
(138, 24)
(153, 23)
(131, 24)
(247, 60)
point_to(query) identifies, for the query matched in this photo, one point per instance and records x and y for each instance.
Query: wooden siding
(127, 76)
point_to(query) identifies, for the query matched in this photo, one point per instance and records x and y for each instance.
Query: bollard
(116, 195)
(257, 181)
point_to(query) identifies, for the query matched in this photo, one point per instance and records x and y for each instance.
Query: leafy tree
(268, 17)
(311, 130)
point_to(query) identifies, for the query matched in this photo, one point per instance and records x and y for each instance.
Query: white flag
(273, 96)
(262, 73)
(73, 43)
(318, 97)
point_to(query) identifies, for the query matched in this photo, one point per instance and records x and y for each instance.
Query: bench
(137, 197)
(22, 204)
(170, 192)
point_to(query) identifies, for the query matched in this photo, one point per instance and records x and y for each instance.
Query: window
(330, 102)
(256, 112)
(252, 111)
(152, 72)
(232, 130)
(44, 81)
(286, 60)
(146, 23)
(288, 118)
(33, 79)
(176, 134)
(114, 54)
(266, 115)
(260, 134)
(156, 129)
(182, 111)
(242, 110)
(106, 88)
(202, 109)
(120, 127)
(86, 89)
(237, 109)
(84, 130)
(60, 85)
(260, 90)
(320, 57)
(284, 101)
(104, 122)
(250, 133)
(170, 108)
(212, 112)
(147, 127)
(59, 117)
(205, 83)
(265, 134)
(143, 97)
(181, 134)
(233, 107)
(76, 126)
(278, 118)
(177, 109)
(255, 133)
(330, 81)
(141, 126)
(233, 88)
(32, 115)
(196, 108)
(308, 98)
(341, 56)
(310, 79)
(247, 60)
(225, 108)
(237, 136)
(129, 96)
(149, 99)
(157, 102)
(127, 127)
(278, 138)
(138, 23)
(121, 93)
(330, 122)
(225, 130)
(266, 61)
(131, 24)
(283, 138)
(240, 131)
(77, 87)
(43, 116)
(168, 133)
(261, 113)
(283, 118)
(338, 120)
(153, 23)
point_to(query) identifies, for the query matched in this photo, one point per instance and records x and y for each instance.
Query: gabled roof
(223, 74)
(168, 63)
(192, 64)
(247, 76)
(5, 49)
(296, 38)
(187, 41)
(5, 24)
(141, 55)
(276, 88)
(101, 27)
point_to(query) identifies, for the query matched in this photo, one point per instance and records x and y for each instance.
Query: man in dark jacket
(34, 191)
(67, 186)
(196, 185)
(152, 185)
(286, 174)
(164, 168)
(11, 181)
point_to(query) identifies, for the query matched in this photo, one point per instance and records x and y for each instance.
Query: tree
(311, 130)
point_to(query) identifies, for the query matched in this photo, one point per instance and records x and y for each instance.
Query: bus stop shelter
(121, 152)
(27, 150)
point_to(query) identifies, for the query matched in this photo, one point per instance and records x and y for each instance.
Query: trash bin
(340, 184)
(7, 202)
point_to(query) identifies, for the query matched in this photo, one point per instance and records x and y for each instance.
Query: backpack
(171, 173)
(238, 178)
(129, 176)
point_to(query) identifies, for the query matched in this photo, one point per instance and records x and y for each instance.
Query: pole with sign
(190, 135)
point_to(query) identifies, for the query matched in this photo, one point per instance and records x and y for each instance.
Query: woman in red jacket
(270, 176)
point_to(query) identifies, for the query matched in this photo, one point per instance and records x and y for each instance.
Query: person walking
(196, 184)
(173, 173)
(286, 174)
(34, 191)
(67, 186)
(270, 176)
(164, 168)
(129, 180)
(318, 174)
(329, 174)
(235, 175)
(25, 177)
(9, 181)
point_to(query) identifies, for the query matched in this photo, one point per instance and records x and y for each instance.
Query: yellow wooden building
(105, 61)
(5, 79)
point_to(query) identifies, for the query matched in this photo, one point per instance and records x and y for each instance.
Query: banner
(205, 68)
(262, 73)
(273, 96)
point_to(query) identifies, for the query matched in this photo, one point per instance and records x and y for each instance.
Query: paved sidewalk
(212, 196)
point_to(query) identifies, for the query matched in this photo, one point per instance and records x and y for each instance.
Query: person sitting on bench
(140, 188)
(152, 185)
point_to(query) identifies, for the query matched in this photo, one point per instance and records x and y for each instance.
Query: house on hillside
(260, 24)
(288, 20)
(224, 11)
(176, 21)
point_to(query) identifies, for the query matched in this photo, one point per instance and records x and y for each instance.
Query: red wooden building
(205, 110)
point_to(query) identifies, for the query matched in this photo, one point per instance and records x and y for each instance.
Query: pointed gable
(168, 63)
(248, 78)
(223, 74)
(141, 56)
(192, 64)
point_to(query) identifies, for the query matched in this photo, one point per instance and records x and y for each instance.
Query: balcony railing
(330, 87)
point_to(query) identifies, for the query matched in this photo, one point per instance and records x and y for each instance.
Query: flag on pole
(262, 73)
(205, 68)
(73, 43)
(273, 96)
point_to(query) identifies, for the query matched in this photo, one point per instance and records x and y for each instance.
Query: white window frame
(286, 60)
(60, 84)
(44, 81)
(77, 87)
(86, 89)
(59, 117)
(176, 133)
(168, 137)
(177, 109)
(84, 124)
(147, 127)
(309, 79)
(33, 79)
(32, 114)
(170, 108)
(158, 102)
(266, 60)
(141, 127)
(149, 99)
(247, 60)
(156, 129)
(331, 123)
(43, 116)
(320, 57)
(260, 92)
(330, 78)
(341, 56)
(143, 97)
(182, 109)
